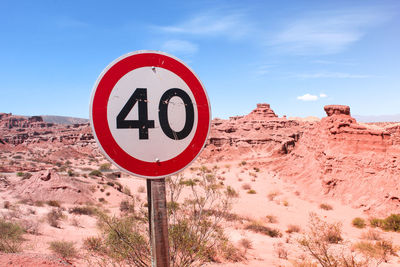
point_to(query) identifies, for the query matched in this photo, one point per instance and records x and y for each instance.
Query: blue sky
(295, 55)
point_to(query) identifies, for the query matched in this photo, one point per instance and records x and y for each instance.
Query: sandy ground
(272, 198)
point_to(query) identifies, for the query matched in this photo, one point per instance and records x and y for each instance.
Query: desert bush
(83, 210)
(246, 186)
(30, 226)
(10, 237)
(271, 196)
(324, 244)
(359, 222)
(257, 227)
(125, 240)
(379, 250)
(71, 173)
(325, 206)
(195, 232)
(54, 216)
(96, 173)
(271, 219)
(251, 191)
(231, 192)
(371, 234)
(375, 222)
(242, 163)
(392, 223)
(38, 203)
(64, 249)
(75, 221)
(246, 244)
(292, 228)
(127, 206)
(93, 243)
(20, 174)
(281, 251)
(53, 203)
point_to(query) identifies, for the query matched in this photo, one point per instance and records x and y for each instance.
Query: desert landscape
(265, 191)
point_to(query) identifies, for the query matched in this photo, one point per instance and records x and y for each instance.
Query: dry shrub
(195, 232)
(292, 228)
(30, 226)
(325, 206)
(271, 219)
(231, 192)
(54, 203)
(75, 221)
(10, 236)
(54, 216)
(324, 244)
(359, 222)
(127, 206)
(93, 243)
(251, 192)
(271, 195)
(390, 223)
(379, 250)
(257, 227)
(83, 210)
(281, 251)
(372, 234)
(246, 244)
(64, 249)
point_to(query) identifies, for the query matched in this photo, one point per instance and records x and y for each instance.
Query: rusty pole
(158, 223)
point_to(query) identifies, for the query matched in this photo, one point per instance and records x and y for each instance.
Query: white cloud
(340, 75)
(180, 46)
(262, 70)
(308, 97)
(233, 25)
(322, 95)
(327, 32)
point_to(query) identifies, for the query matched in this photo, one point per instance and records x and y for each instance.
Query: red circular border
(102, 130)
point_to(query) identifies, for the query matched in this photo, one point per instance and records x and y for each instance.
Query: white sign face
(150, 114)
(156, 81)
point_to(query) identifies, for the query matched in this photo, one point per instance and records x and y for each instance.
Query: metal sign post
(158, 224)
(150, 116)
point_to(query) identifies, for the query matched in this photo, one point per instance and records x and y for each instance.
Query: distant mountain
(381, 118)
(63, 119)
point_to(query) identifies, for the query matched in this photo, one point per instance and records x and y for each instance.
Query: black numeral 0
(163, 114)
(143, 123)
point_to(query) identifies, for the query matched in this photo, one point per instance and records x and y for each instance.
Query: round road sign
(150, 114)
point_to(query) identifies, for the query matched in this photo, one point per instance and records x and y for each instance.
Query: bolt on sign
(150, 114)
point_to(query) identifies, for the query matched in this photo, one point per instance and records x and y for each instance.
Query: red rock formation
(345, 160)
(260, 130)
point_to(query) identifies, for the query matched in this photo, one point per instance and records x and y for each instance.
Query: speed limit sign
(150, 114)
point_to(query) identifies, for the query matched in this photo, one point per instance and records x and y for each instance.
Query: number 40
(143, 123)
